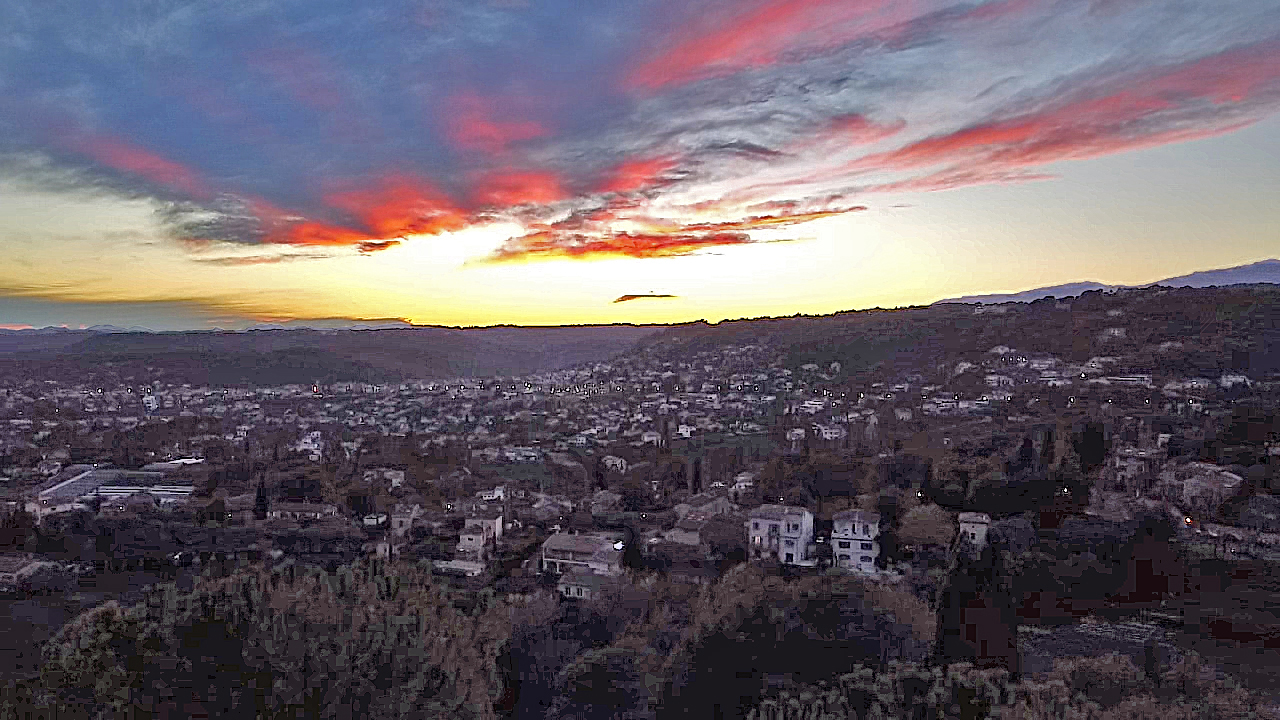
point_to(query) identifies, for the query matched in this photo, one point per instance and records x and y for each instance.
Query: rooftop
(858, 517)
(777, 512)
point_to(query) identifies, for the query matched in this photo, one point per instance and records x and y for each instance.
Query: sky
(183, 165)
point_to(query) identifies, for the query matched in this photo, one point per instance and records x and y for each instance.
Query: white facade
(781, 531)
(497, 493)
(974, 527)
(855, 539)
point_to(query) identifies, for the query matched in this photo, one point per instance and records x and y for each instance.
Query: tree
(927, 524)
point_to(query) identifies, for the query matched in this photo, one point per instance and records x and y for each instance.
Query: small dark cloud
(628, 298)
(374, 246)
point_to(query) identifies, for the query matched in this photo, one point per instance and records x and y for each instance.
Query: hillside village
(905, 464)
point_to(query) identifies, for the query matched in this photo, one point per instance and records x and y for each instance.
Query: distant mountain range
(280, 356)
(1266, 271)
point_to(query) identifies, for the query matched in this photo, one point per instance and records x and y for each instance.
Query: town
(673, 461)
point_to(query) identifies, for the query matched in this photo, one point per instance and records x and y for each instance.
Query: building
(780, 531)
(974, 527)
(302, 511)
(391, 476)
(497, 493)
(580, 585)
(479, 536)
(13, 568)
(855, 539)
(688, 531)
(402, 519)
(705, 503)
(594, 553)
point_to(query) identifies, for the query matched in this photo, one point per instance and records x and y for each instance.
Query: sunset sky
(175, 164)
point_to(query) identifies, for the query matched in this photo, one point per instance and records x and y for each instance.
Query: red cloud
(508, 189)
(124, 156)
(999, 8)
(1161, 108)
(400, 205)
(764, 35)
(472, 124)
(635, 175)
(858, 130)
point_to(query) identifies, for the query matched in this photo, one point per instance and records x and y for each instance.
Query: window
(773, 527)
(844, 544)
(790, 557)
(579, 592)
(755, 526)
(866, 558)
(866, 529)
(791, 543)
(973, 536)
(844, 557)
(866, 546)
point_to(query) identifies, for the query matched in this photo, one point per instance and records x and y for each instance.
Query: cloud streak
(644, 296)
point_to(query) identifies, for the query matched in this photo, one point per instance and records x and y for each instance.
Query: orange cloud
(547, 246)
(764, 35)
(635, 175)
(390, 208)
(127, 157)
(760, 222)
(472, 124)
(508, 189)
(282, 227)
(580, 237)
(400, 205)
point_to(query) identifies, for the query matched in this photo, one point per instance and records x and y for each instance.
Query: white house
(780, 531)
(595, 553)
(974, 527)
(650, 437)
(614, 463)
(855, 539)
(497, 493)
(829, 432)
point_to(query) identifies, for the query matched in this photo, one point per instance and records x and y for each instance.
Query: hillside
(273, 357)
(1209, 330)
